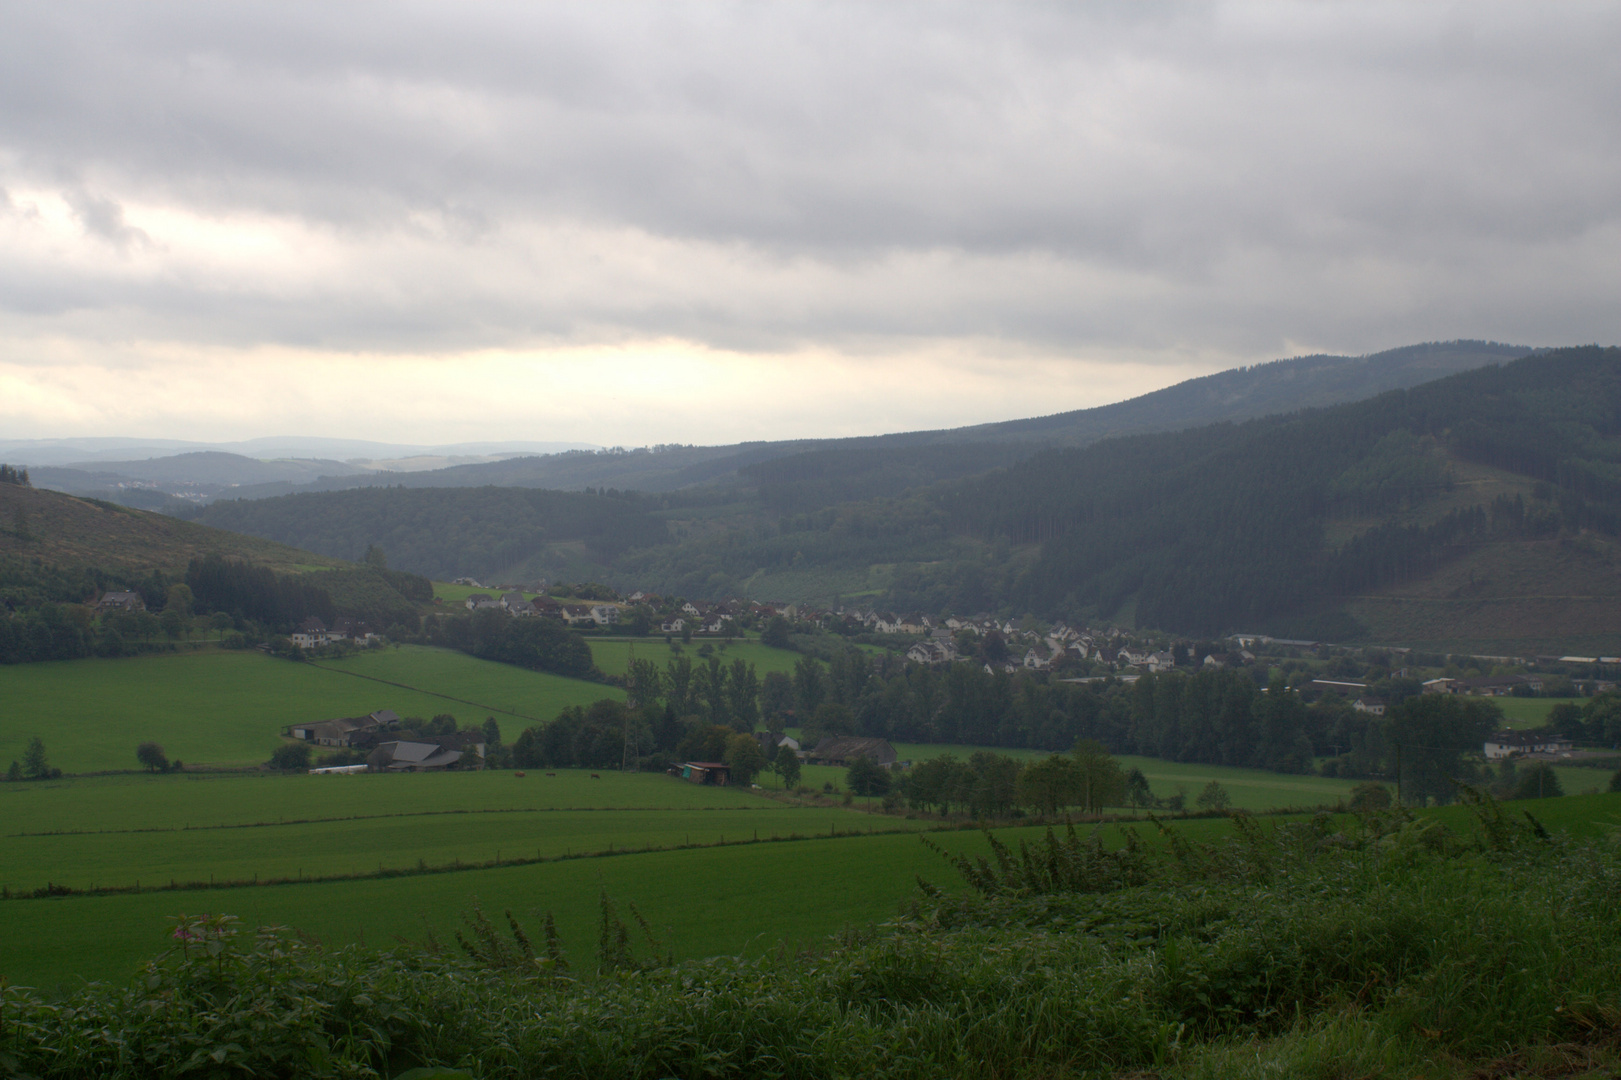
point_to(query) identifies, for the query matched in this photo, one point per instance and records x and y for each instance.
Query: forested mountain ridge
(450, 532)
(1336, 523)
(1484, 504)
(1229, 525)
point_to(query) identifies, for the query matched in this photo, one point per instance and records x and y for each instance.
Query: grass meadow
(120, 831)
(741, 898)
(229, 708)
(612, 655)
(1250, 789)
(744, 899)
(1530, 712)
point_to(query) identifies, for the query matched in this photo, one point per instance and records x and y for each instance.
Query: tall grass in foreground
(1391, 949)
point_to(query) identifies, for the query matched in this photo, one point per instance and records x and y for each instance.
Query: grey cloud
(104, 218)
(1207, 172)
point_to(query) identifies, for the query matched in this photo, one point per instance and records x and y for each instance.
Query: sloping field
(1553, 596)
(1530, 712)
(613, 657)
(225, 708)
(71, 531)
(120, 831)
(748, 899)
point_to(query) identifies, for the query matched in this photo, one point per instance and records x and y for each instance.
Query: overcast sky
(680, 222)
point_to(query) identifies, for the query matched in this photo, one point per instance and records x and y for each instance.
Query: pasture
(1250, 789)
(1521, 712)
(744, 898)
(612, 655)
(229, 708)
(118, 831)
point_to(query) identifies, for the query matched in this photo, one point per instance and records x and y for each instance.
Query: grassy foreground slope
(1392, 947)
(224, 708)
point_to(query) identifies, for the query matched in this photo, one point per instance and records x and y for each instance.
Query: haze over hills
(84, 451)
(1239, 394)
(115, 469)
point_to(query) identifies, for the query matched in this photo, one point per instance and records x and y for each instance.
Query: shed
(706, 772)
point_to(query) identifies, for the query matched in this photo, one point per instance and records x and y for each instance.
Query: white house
(1507, 744)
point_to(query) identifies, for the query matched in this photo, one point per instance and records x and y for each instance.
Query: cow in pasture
(519, 775)
(596, 776)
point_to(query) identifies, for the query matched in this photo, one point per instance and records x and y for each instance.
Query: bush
(1538, 782)
(291, 757)
(152, 757)
(1369, 797)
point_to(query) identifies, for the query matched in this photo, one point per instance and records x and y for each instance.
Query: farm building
(122, 601)
(842, 751)
(1506, 744)
(777, 740)
(703, 772)
(345, 731)
(426, 756)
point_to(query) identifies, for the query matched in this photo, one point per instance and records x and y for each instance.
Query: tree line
(1216, 717)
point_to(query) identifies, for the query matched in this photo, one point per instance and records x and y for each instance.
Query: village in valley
(1317, 671)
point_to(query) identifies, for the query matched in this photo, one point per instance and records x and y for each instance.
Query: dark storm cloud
(1078, 176)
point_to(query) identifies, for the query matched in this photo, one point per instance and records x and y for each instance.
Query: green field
(229, 708)
(748, 899)
(613, 655)
(118, 831)
(1521, 712)
(1250, 789)
(744, 898)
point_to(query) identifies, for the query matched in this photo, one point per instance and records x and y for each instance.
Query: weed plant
(1392, 947)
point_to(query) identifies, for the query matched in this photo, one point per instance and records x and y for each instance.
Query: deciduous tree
(866, 777)
(151, 755)
(744, 758)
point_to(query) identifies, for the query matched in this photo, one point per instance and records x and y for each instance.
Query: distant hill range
(152, 475)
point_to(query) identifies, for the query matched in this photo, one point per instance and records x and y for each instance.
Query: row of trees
(1088, 779)
(537, 644)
